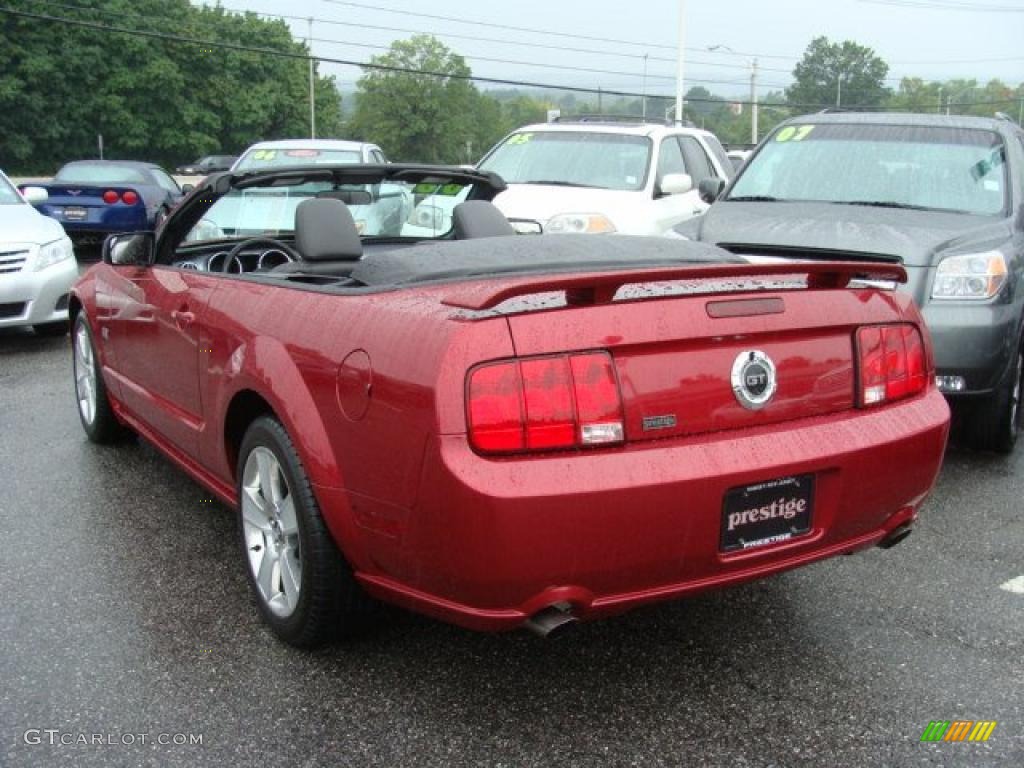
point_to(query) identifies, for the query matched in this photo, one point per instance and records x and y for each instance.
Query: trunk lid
(675, 353)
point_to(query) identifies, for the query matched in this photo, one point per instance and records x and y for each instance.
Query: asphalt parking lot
(126, 613)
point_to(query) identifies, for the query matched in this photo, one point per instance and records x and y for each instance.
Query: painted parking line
(1014, 585)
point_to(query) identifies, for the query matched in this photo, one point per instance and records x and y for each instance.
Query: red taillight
(129, 197)
(892, 363)
(110, 197)
(544, 403)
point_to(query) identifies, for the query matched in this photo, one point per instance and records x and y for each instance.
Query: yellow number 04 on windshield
(794, 133)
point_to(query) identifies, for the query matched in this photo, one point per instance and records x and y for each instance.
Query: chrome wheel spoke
(290, 579)
(254, 510)
(286, 511)
(265, 575)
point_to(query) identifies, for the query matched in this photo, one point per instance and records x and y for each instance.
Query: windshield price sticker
(519, 138)
(794, 133)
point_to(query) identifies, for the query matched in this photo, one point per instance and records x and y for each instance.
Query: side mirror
(675, 183)
(35, 195)
(709, 189)
(130, 249)
(186, 188)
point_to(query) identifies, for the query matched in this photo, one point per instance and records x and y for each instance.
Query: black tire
(103, 426)
(329, 602)
(996, 422)
(51, 330)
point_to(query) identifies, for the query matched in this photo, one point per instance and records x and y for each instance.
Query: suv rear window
(901, 166)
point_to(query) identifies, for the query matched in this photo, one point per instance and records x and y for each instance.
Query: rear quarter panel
(354, 381)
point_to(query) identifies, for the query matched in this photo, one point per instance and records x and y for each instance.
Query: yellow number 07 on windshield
(794, 133)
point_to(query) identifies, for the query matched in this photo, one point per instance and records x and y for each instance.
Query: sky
(562, 42)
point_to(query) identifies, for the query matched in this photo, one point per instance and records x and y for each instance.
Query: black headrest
(479, 218)
(326, 231)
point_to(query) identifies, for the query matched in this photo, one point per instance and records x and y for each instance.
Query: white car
(383, 215)
(597, 177)
(37, 263)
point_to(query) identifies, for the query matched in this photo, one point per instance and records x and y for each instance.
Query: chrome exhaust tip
(551, 622)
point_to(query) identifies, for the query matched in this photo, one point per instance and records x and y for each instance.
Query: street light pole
(753, 102)
(312, 83)
(680, 62)
(643, 108)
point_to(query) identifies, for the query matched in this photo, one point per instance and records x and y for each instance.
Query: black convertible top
(525, 254)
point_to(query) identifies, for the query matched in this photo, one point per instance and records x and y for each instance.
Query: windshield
(379, 210)
(100, 173)
(572, 158)
(8, 194)
(276, 158)
(929, 167)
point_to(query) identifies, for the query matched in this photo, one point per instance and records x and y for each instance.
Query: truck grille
(12, 260)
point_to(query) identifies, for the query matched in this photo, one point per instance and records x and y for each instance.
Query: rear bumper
(42, 296)
(492, 542)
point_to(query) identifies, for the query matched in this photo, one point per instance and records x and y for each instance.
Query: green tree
(419, 117)
(164, 101)
(838, 73)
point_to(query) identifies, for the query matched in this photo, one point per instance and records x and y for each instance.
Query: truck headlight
(54, 252)
(590, 223)
(971, 277)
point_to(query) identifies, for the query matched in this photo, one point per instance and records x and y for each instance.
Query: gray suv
(944, 196)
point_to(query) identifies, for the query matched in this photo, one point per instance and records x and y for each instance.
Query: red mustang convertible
(500, 429)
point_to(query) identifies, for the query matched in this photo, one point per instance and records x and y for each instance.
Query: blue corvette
(95, 198)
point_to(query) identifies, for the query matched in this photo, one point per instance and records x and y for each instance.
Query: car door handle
(183, 318)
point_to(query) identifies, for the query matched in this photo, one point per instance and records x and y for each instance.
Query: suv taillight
(544, 403)
(892, 363)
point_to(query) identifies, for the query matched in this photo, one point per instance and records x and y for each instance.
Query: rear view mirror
(35, 195)
(709, 189)
(675, 183)
(131, 249)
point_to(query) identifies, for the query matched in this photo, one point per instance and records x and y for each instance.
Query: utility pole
(680, 62)
(312, 82)
(643, 108)
(753, 102)
(938, 109)
(949, 103)
(839, 89)
(600, 108)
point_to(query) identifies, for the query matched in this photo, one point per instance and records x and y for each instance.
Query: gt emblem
(753, 379)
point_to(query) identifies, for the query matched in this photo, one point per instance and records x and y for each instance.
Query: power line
(304, 56)
(519, 43)
(536, 31)
(487, 59)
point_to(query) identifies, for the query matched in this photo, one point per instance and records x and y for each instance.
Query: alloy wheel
(271, 531)
(85, 374)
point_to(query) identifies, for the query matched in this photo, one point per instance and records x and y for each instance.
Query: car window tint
(728, 166)
(698, 164)
(8, 194)
(100, 173)
(165, 181)
(670, 159)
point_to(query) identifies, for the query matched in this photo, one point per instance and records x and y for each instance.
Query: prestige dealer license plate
(767, 513)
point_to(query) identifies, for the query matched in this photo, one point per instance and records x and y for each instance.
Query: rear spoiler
(600, 287)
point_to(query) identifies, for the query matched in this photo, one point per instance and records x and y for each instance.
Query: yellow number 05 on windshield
(794, 133)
